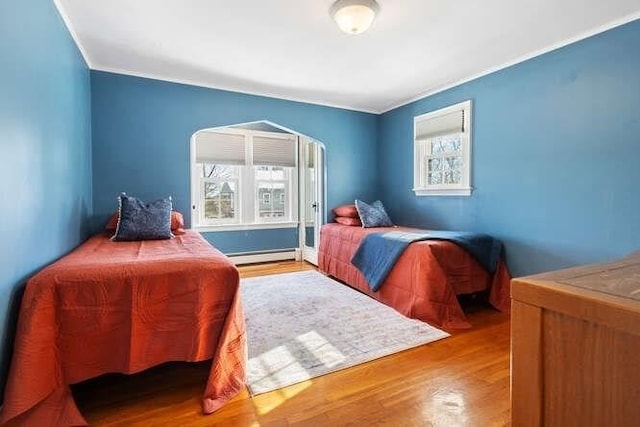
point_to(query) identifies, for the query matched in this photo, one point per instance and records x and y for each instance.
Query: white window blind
(223, 148)
(444, 124)
(274, 152)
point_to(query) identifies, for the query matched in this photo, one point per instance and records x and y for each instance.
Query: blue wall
(235, 242)
(556, 152)
(141, 136)
(45, 146)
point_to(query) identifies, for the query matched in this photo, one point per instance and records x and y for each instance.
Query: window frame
(200, 199)
(247, 185)
(421, 186)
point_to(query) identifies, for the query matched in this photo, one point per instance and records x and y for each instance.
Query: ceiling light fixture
(354, 16)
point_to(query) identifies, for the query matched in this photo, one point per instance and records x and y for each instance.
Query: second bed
(425, 281)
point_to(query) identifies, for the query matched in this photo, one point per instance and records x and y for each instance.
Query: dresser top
(618, 278)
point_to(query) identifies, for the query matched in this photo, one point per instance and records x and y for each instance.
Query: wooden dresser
(575, 346)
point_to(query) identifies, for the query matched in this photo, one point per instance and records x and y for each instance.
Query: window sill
(443, 191)
(244, 227)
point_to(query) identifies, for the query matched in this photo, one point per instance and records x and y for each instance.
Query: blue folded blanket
(378, 252)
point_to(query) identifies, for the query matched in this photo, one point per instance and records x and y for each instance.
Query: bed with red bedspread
(124, 307)
(424, 282)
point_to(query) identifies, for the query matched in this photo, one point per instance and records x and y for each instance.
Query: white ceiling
(292, 49)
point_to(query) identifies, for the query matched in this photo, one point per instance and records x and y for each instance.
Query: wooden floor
(459, 381)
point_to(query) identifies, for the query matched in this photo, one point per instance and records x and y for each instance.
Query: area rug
(303, 325)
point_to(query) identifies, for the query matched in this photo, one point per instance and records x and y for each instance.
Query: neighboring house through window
(266, 196)
(442, 152)
(244, 178)
(272, 183)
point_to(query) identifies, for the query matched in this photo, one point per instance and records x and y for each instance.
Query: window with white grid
(442, 152)
(244, 178)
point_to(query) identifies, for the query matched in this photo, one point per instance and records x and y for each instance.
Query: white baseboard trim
(262, 257)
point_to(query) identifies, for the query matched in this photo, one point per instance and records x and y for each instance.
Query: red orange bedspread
(124, 307)
(424, 282)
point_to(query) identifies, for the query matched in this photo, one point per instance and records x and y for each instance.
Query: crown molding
(72, 31)
(568, 41)
(601, 29)
(197, 83)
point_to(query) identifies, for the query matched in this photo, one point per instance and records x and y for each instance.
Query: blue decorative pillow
(140, 221)
(373, 215)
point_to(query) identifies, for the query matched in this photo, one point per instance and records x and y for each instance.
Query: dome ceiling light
(354, 16)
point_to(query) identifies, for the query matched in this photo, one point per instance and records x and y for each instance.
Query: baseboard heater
(265, 256)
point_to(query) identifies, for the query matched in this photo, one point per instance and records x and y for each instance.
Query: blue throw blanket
(378, 252)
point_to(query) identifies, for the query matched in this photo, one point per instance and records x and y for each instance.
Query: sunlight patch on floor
(325, 352)
(278, 361)
(446, 408)
(267, 402)
(317, 347)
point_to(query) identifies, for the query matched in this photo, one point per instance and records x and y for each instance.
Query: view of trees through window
(244, 178)
(444, 160)
(220, 186)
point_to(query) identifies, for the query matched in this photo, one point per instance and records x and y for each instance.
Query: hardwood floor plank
(461, 380)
